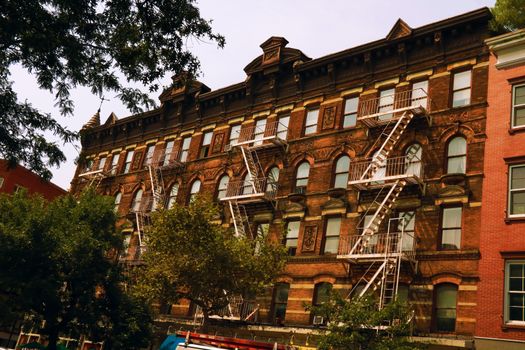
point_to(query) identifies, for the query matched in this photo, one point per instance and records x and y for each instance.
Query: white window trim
(506, 296)
(509, 190)
(513, 107)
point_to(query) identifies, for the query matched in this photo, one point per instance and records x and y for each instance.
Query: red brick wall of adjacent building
(498, 236)
(19, 176)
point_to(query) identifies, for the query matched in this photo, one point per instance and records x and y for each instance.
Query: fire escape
(382, 242)
(157, 166)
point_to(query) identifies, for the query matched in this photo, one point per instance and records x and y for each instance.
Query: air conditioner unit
(318, 320)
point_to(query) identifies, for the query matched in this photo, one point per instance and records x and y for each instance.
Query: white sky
(317, 28)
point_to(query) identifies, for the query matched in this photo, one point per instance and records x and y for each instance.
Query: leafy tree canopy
(54, 264)
(67, 44)
(355, 324)
(508, 15)
(189, 256)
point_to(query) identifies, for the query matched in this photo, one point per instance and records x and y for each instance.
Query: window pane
(341, 181)
(462, 80)
(457, 165)
(519, 95)
(517, 203)
(519, 116)
(196, 187)
(516, 284)
(350, 120)
(331, 245)
(517, 314)
(281, 293)
(234, 134)
(451, 239)
(303, 170)
(207, 138)
(351, 105)
(282, 127)
(343, 164)
(333, 226)
(461, 98)
(293, 229)
(386, 103)
(457, 147)
(311, 121)
(452, 217)
(322, 293)
(518, 177)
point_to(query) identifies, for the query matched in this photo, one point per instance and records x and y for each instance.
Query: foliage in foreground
(67, 44)
(356, 324)
(191, 257)
(508, 15)
(54, 266)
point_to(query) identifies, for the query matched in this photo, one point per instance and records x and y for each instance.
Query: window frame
(337, 174)
(136, 205)
(388, 108)
(128, 162)
(448, 156)
(148, 158)
(350, 113)
(273, 315)
(442, 229)
(435, 307)
(313, 125)
(184, 152)
(515, 107)
(454, 91)
(222, 190)
(292, 250)
(507, 292)
(192, 194)
(236, 139)
(279, 133)
(205, 144)
(510, 191)
(259, 131)
(172, 198)
(168, 152)
(115, 159)
(315, 298)
(297, 178)
(117, 201)
(328, 236)
(416, 102)
(102, 161)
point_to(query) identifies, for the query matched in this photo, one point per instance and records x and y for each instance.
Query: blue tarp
(171, 342)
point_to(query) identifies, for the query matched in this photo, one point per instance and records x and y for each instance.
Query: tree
(67, 44)
(189, 256)
(509, 15)
(54, 263)
(355, 324)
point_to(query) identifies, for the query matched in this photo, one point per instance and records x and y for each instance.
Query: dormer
(275, 54)
(183, 85)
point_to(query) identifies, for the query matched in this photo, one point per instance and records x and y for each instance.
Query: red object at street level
(229, 343)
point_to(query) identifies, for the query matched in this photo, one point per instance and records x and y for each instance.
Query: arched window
(173, 195)
(380, 172)
(118, 198)
(342, 167)
(195, 189)
(137, 200)
(223, 186)
(413, 156)
(273, 179)
(321, 295)
(457, 156)
(279, 302)
(445, 307)
(247, 187)
(301, 178)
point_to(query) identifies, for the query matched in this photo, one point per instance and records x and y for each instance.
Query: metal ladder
(142, 221)
(254, 168)
(157, 186)
(240, 219)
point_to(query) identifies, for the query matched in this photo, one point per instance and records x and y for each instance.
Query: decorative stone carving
(309, 239)
(329, 117)
(217, 143)
(137, 160)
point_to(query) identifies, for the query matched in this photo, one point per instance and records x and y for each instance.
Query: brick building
(501, 319)
(372, 158)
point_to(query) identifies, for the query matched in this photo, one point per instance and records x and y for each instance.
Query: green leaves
(190, 256)
(67, 44)
(509, 15)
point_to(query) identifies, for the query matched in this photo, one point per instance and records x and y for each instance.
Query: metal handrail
(378, 244)
(250, 134)
(390, 104)
(410, 166)
(243, 188)
(162, 159)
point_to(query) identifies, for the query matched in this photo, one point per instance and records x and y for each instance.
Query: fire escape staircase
(384, 252)
(255, 187)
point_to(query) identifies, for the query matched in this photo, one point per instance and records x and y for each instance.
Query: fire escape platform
(374, 120)
(273, 141)
(246, 198)
(368, 184)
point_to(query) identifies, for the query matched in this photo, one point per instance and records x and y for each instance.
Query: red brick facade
(291, 84)
(502, 236)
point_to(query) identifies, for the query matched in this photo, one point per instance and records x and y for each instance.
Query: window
(517, 190)
(195, 189)
(321, 295)
(185, 149)
(386, 103)
(223, 187)
(127, 164)
(461, 89)
(445, 307)
(292, 236)
(260, 234)
(342, 166)
(137, 199)
(206, 142)
(402, 293)
(518, 106)
(301, 179)
(350, 117)
(258, 133)
(1, 181)
(168, 152)
(235, 132)
(451, 228)
(118, 198)
(114, 163)
(125, 246)
(272, 180)
(310, 126)
(282, 127)
(407, 225)
(515, 292)
(457, 156)
(149, 155)
(247, 187)
(101, 163)
(413, 156)
(280, 299)
(331, 241)
(173, 195)
(89, 165)
(419, 94)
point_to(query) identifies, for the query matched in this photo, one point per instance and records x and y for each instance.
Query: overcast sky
(317, 28)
